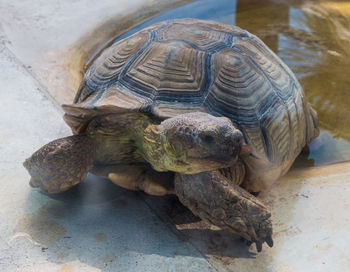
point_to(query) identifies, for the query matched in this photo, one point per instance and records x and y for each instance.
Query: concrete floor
(100, 227)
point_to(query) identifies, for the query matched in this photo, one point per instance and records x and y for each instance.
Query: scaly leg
(214, 198)
(61, 164)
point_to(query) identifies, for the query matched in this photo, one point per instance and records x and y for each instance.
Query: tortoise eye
(208, 139)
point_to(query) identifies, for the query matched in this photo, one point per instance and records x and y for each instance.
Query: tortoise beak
(227, 153)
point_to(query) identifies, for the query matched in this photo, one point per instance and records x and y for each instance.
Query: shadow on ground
(101, 225)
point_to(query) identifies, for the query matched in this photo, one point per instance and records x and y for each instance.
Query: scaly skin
(188, 144)
(191, 143)
(174, 145)
(61, 164)
(214, 198)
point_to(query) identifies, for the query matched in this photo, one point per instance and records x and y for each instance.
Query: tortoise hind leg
(123, 175)
(314, 130)
(158, 183)
(134, 177)
(216, 199)
(61, 164)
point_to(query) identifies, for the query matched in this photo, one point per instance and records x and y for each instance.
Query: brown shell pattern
(190, 65)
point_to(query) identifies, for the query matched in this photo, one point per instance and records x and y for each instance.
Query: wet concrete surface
(98, 226)
(54, 38)
(310, 219)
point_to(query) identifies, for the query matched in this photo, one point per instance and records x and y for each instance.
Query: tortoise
(194, 108)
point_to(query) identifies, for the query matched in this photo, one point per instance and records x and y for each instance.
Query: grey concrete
(311, 220)
(96, 226)
(54, 38)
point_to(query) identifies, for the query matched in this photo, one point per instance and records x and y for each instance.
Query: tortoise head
(195, 142)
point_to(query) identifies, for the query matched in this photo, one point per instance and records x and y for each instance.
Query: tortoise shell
(190, 65)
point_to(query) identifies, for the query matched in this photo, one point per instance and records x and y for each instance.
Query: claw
(248, 243)
(245, 241)
(258, 246)
(33, 183)
(252, 232)
(269, 241)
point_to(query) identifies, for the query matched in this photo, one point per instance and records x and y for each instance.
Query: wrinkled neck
(119, 137)
(152, 148)
(128, 138)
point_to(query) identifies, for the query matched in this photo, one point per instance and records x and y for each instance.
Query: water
(313, 39)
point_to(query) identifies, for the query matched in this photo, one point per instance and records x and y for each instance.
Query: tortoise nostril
(209, 139)
(238, 138)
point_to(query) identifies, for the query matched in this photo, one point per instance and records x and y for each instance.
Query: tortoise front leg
(214, 198)
(61, 164)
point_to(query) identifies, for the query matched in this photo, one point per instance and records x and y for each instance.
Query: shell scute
(276, 72)
(108, 66)
(200, 37)
(166, 69)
